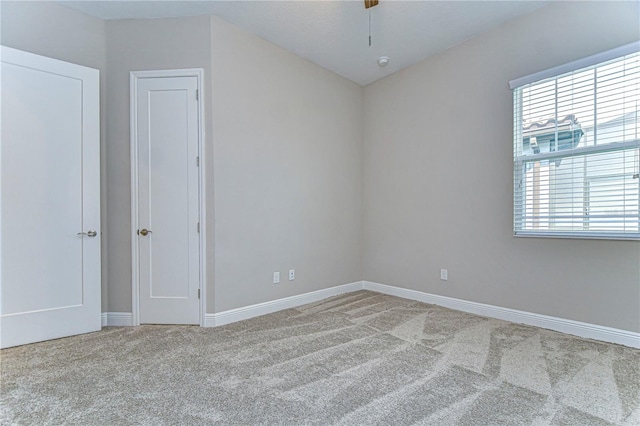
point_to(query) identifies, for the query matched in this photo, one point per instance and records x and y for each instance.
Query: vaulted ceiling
(335, 34)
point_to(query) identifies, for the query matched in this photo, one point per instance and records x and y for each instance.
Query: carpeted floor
(356, 359)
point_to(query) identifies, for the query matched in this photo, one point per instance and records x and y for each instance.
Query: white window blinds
(577, 152)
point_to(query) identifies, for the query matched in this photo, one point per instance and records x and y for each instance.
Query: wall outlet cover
(444, 274)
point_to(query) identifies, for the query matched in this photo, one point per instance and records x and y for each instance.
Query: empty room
(320, 212)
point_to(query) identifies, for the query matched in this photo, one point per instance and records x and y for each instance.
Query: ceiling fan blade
(370, 3)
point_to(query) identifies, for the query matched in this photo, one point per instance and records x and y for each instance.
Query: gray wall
(297, 166)
(136, 45)
(283, 152)
(283, 145)
(287, 171)
(438, 176)
(51, 30)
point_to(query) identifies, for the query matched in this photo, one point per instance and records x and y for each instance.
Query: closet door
(49, 200)
(166, 141)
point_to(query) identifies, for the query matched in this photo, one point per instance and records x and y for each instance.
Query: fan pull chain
(369, 27)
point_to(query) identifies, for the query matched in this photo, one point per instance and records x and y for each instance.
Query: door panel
(167, 132)
(49, 193)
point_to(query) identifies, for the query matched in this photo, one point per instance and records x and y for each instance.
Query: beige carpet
(357, 359)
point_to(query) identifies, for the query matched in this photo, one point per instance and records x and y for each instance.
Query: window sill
(577, 236)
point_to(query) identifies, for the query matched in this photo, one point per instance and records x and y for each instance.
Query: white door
(166, 135)
(50, 199)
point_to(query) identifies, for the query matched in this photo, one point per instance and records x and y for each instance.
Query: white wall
(48, 29)
(438, 176)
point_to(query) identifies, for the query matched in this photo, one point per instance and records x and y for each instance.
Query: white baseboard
(246, 312)
(118, 319)
(577, 328)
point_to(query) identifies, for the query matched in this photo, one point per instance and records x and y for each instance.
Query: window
(577, 148)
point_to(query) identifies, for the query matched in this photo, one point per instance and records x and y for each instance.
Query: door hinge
(198, 226)
(198, 293)
(198, 161)
(197, 94)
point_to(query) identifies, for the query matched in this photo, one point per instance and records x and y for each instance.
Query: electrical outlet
(444, 274)
(292, 274)
(276, 277)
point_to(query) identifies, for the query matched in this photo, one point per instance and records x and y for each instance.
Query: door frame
(134, 76)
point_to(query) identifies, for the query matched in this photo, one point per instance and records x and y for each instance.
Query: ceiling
(335, 34)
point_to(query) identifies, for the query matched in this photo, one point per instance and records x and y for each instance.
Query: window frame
(520, 160)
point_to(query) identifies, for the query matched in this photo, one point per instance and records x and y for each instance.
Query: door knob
(143, 232)
(90, 233)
